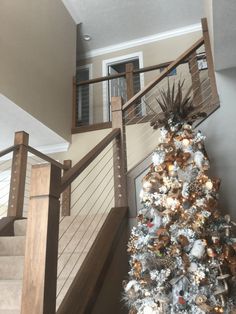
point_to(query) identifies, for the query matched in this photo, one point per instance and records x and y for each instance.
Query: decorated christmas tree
(182, 252)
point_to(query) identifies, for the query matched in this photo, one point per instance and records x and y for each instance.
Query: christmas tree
(183, 254)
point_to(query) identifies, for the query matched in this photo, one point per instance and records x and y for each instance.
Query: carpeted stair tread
(10, 296)
(20, 227)
(9, 311)
(11, 267)
(12, 246)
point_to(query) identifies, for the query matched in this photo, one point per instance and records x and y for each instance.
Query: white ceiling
(14, 119)
(111, 22)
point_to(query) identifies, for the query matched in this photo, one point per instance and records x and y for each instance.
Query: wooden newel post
(66, 195)
(129, 68)
(40, 268)
(210, 62)
(18, 174)
(74, 103)
(119, 157)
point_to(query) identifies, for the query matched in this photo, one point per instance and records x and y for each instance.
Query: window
(84, 96)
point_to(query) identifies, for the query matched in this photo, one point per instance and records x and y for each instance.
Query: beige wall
(37, 59)
(141, 141)
(153, 53)
(220, 131)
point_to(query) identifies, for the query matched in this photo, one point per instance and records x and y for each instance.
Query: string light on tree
(182, 251)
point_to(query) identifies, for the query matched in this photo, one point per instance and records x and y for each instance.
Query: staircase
(12, 251)
(98, 207)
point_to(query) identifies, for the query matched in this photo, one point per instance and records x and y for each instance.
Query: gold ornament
(201, 301)
(183, 240)
(218, 309)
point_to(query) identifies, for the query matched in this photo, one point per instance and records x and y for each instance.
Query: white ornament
(158, 158)
(148, 310)
(199, 159)
(132, 284)
(193, 267)
(185, 142)
(209, 185)
(157, 221)
(198, 248)
(185, 192)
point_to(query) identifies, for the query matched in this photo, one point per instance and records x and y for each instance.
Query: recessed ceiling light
(87, 37)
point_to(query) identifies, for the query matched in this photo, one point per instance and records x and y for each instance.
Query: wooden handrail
(46, 158)
(135, 71)
(172, 66)
(71, 174)
(9, 150)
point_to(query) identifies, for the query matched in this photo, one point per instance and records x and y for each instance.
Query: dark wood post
(18, 174)
(74, 103)
(129, 68)
(40, 268)
(210, 62)
(66, 195)
(119, 157)
(196, 81)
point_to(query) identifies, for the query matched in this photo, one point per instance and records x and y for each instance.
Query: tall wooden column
(40, 268)
(66, 195)
(18, 174)
(119, 157)
(210, 62)
(129, 68)
(74, 104)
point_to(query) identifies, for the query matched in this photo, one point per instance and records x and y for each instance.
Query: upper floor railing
(92, 98)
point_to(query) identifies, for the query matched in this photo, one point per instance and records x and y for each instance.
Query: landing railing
(195, 66)
(16, 164)
(198, 81)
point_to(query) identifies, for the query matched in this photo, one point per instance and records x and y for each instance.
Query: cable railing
(5, 178)
(92, 197)
(95, 184)
(193, 70)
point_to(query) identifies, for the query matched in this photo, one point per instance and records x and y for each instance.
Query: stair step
(20, 227)
(11, 267)
(10, 296)
(12, 246)
(9, 311)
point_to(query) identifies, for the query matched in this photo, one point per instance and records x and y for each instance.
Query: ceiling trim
(143, 40)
